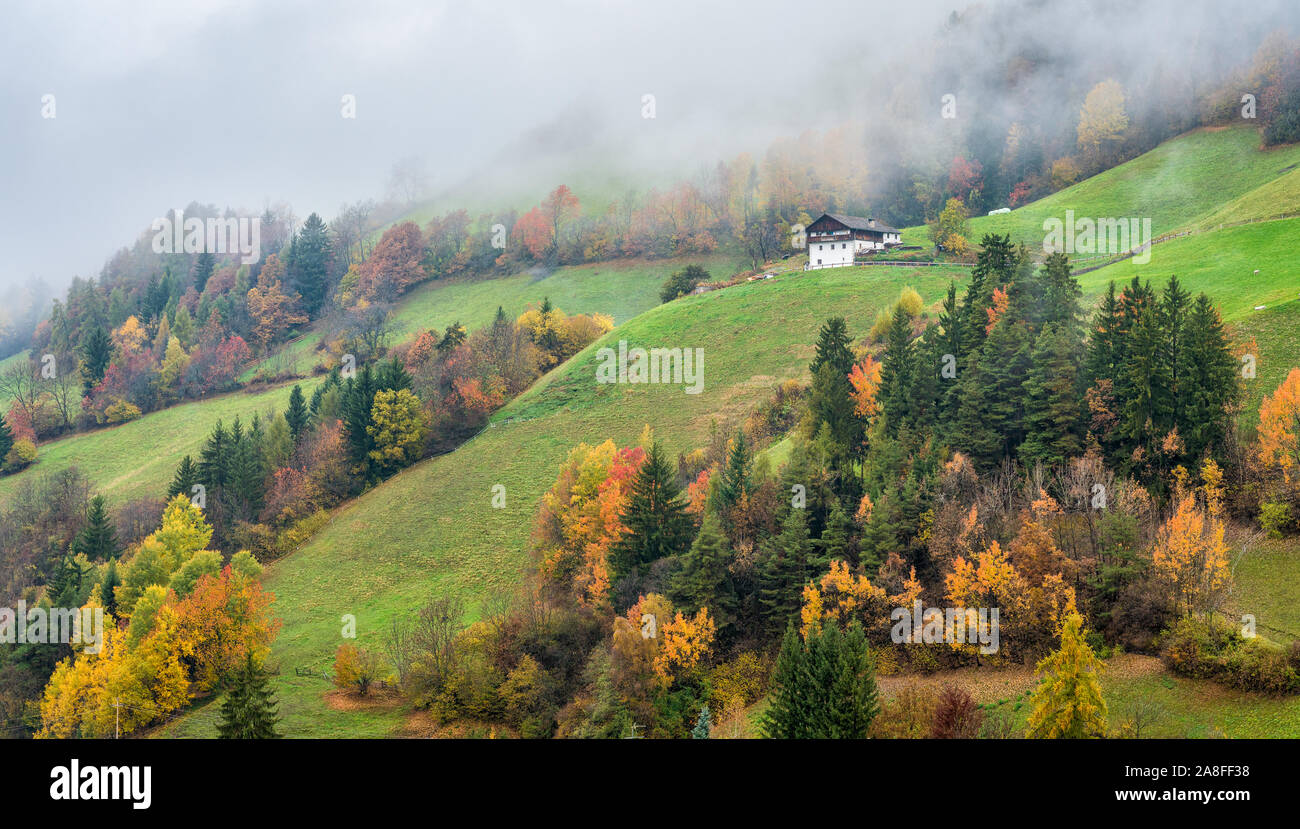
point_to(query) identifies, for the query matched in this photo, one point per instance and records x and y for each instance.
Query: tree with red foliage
(395, 265)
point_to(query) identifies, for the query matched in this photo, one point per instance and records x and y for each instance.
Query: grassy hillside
(431, 530)
(137, 459)
(620, 289)
(1179, 183)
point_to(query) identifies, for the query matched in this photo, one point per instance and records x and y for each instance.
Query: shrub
(683, 282)
(1274, 517)
(121, 411)
(355, 668)
(1216, 650)
(1192, 646)
(1254, 665)
(21, 455)
(956, 716)
(909, 715)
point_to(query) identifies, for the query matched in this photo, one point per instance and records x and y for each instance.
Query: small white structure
(835, 239)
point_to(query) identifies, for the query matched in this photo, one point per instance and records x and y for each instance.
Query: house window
(845, 245)
(819, 261)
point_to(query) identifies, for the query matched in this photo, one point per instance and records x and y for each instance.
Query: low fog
(236, 104)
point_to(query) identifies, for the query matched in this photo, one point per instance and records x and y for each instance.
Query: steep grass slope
(1177, 184)
(432, 530)
(137, 459)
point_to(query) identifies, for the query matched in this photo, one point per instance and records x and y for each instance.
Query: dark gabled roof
(859, 223)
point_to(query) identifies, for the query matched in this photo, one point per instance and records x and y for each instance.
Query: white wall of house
(830, 254)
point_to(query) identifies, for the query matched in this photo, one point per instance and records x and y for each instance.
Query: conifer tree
(296, 413)
(703, 579)
(1062, 292)
(1103, 345)
(831, 398)
(784, 571)
(1068, 702)
(836, 542)
(107, 596)
(896, 372)
(655, 518)
(204, 265)
(949, 348)
(214, 460)
(1053, 414)
(703, 724)
(790, 711)
(309, 261)
(734, 481)
(6, 438)
(1209, 382)
(823, 688)
(98, 540)
(96, 354)
(187, 475)
(250, 711)
(1146, 409)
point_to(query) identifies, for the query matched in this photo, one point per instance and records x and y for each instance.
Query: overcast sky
(161, 102)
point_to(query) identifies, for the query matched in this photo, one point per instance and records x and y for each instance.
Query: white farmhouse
(834, 239)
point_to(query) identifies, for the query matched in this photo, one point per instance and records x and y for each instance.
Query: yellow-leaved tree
(1068, 704)
(398, 424)
(1189, 561)
(1279, 427)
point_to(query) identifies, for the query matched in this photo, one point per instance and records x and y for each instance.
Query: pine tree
(790, 711)
(833, 347)
(836, 541)
(6, 438)
(1146, 411)
(248, 470)
(98, 540)
(655, 518)
(734, 481)
(214, 460)
(1103, 345)
(309, 263)
(1061, 300)
(702, 578)
(784, 571)
(250, 711)
(1067, 704)
(896, 372)
(187, 475)
(1053, 415)
(64, 586)
(824, 688)
(880, 536)
(846, 674)
(949, 342)
(703, 724)
(107, 594)
(972, 432)
(358, 400)
(204, 265)
(1209, 380)
(96, 354)
(1004, 364)
(296, 414)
